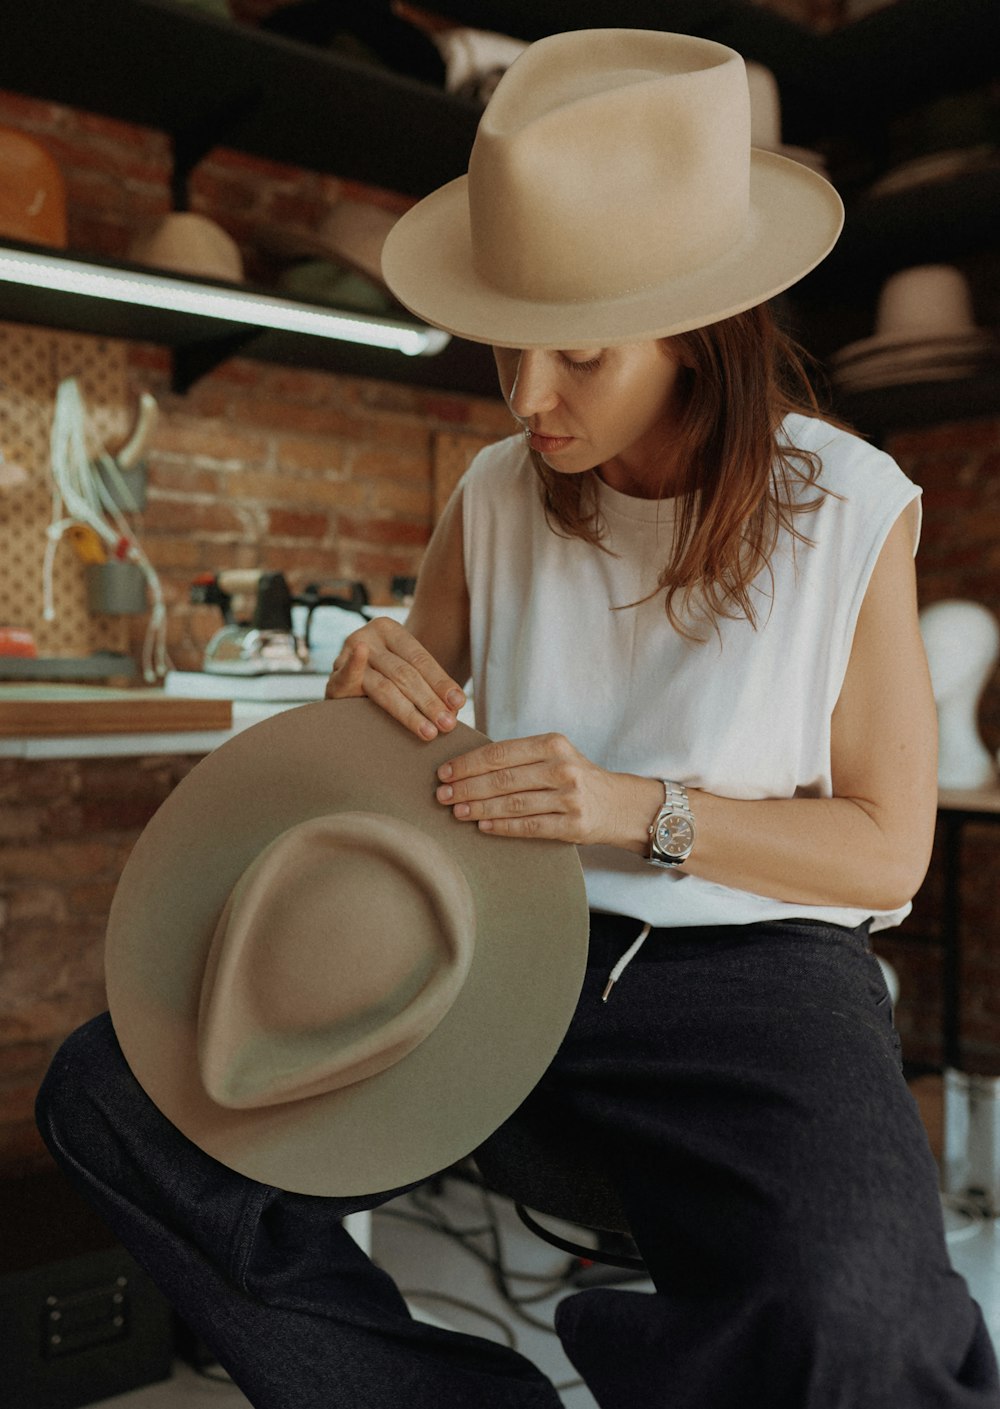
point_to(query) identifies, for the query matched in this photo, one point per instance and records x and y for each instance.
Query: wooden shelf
(915, 404)
(211, 82)
(200, 343)
(208, 81)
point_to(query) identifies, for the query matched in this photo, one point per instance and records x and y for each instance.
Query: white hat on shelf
(925, 331)
(765, 119)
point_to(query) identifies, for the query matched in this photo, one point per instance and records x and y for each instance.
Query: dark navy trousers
(744, 1086)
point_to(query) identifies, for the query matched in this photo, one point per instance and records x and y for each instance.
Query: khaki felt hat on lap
(319, 976)
(612, 196)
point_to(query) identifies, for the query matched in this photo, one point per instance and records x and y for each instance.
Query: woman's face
(613, 407)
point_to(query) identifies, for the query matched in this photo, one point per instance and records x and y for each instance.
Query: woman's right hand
(385, 662)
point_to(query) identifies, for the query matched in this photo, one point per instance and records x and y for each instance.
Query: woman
(687, 606)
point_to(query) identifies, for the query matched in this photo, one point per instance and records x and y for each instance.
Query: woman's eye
(590, 365)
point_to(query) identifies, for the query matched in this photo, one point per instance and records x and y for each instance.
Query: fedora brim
(442, 1099)
(795, 219)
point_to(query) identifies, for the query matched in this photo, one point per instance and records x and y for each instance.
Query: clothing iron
(266, 644)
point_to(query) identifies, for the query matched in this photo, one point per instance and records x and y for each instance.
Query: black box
(80, 1321)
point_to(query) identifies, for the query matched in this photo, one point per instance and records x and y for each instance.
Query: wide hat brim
(795, 218)
(445, 1097)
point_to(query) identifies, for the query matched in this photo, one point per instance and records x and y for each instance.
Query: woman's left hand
(544, 787)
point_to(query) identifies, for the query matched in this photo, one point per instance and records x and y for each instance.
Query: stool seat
(552, 1171)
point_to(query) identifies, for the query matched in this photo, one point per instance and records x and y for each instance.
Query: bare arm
(416, 672)
(868, 846)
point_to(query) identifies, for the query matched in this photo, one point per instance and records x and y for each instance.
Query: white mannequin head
(962, 640)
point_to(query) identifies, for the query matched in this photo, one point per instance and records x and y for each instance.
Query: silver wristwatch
(671, 832)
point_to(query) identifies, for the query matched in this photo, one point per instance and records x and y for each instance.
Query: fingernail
(445, 772)
(428, 730)
(445, 794)
(445, 721)
(455, 698)
(462, 809)
(485, 825)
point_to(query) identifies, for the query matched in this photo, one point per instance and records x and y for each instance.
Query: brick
(117, 814)
(55, 1017)
(370, 565)
(302, 453)
(181, 477)
(36, 903)
(19, 1059)
(29, 114)
(293, 490)
(303, 385)
(979, 434)
(179, 516)
(38, 781)
(201, 441)
(94, 899)
(301, 419)
(166, 552)
(383, 531)
(305, 564)
(55, 862)
(17, 1101)
(412, 501)
(148, 359)
(258, 169)
(388, 464)
(285, 523)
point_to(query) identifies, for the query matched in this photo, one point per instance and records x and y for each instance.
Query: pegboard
(33, 361)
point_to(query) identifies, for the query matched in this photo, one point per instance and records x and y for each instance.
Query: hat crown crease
(339, 949)
(652, 178)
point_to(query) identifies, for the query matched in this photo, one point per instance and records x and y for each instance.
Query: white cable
(624, 962)
(81, 496)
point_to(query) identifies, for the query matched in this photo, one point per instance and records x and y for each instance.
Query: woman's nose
(533, 390)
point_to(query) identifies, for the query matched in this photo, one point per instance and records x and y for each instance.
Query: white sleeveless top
(745, 714)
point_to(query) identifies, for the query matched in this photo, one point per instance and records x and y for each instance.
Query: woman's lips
(548, 444)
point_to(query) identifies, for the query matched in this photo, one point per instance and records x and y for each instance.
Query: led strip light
(143, 290)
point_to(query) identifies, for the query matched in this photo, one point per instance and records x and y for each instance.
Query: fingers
(385, 662)
(532, 787)
(347, 678)
(509, 753)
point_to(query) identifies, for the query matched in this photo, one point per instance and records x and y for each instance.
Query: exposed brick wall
(958, 467)
(315, 475)
(304, 473)
(323, 476)
(66, 829)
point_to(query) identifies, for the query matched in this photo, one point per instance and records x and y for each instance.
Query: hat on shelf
(925, 331)
(320, 977)
(934, 167)
(340, 262)
(185, 242)
(765, 119)
(530, 248)
(474, 59)
(32, 192)
(947, 137)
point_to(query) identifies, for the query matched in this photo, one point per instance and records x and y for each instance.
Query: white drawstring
(624, 961)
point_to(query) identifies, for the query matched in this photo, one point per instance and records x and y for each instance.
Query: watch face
(675, 835)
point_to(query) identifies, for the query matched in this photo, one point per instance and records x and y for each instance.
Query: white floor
(430, 1268)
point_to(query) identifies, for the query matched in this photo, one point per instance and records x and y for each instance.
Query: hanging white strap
(624, 961)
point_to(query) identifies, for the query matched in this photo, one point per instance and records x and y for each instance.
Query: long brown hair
(740, 487)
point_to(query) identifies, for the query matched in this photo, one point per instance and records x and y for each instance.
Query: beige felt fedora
(319, 976)
(612, 196)
(188, 243)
